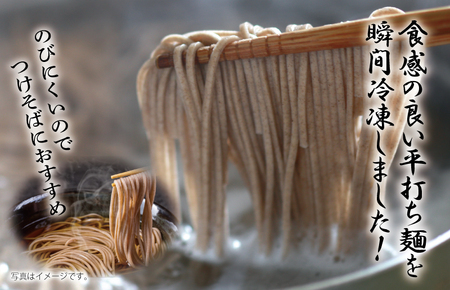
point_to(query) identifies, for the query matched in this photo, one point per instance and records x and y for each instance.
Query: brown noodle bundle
(78, 244)
(102, 246)
(291, 124)
(135, 240)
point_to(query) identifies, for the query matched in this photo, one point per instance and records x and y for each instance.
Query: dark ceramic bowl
(86, 189)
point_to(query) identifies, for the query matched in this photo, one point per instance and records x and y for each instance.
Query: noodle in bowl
(84, 240)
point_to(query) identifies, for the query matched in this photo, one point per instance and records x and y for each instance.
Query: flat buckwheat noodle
(102, 246)
(136, 241)
(291, 124)
(78, 244)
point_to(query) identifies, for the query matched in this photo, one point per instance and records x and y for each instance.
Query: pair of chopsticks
(436, 22)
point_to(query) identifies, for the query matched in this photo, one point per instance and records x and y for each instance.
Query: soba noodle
(291, 124)
(136, 241)
(80, 244)
(102, 246)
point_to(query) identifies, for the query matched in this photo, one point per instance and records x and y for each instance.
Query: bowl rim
(372, 270)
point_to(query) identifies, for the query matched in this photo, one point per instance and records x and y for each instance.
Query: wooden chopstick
(128, 173)
(436, 22)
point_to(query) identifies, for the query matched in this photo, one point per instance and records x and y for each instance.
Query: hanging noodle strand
(102, 246)
(290, 124)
